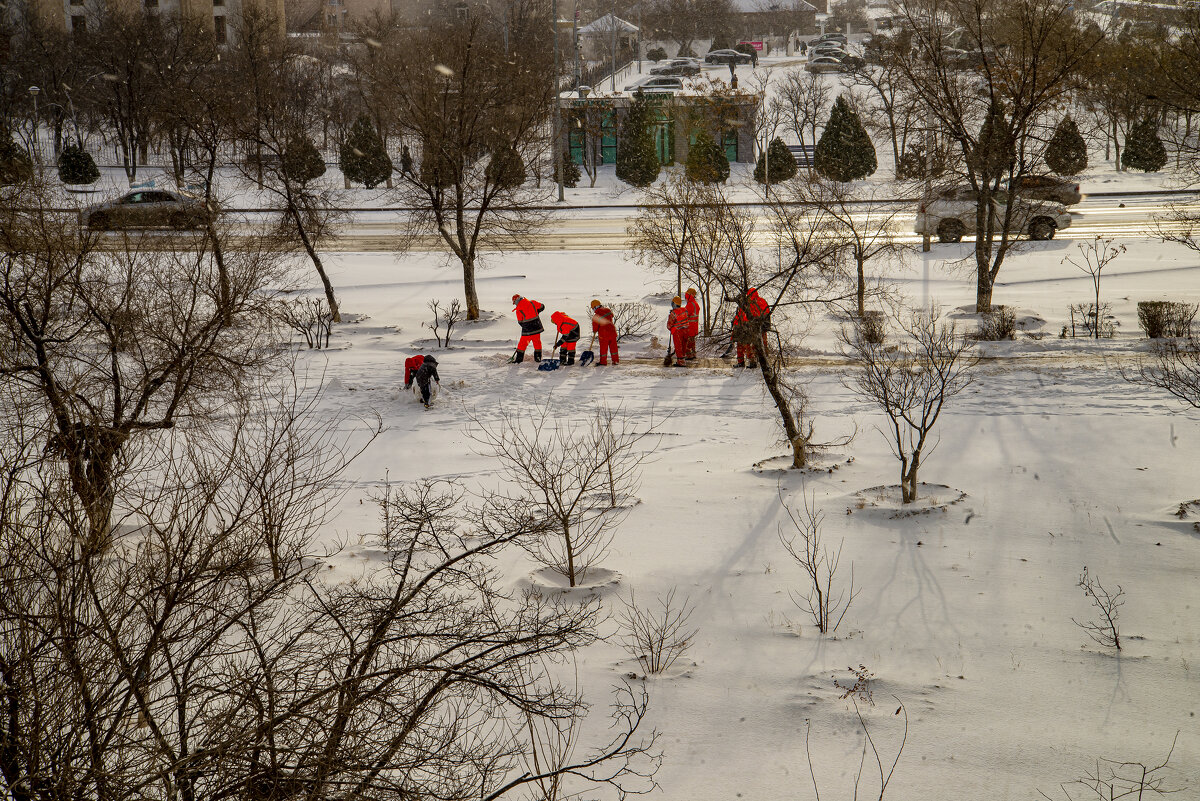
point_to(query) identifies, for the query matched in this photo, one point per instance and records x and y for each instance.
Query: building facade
(78, 16)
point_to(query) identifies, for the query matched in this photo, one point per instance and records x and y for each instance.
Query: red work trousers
(746, 349)
(680, 338)
(524, 341)
(608, 345)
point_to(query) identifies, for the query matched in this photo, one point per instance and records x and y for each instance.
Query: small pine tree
(844, 152)
(76, 166)
(15, 164)
(571, 174)
(995, 150)
(656, 54)
(1143, 149)
(302, 162)
(782, 163)
(637, 157)
(1067, 152)
(436, 168)
(364, 159)
(506, 169)
(706, 161)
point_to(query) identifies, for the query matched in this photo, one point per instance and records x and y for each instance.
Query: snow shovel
(667, 358)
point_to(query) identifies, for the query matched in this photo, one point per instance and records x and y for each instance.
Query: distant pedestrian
(411, 365)
(531, 327)
(693, 309)
(752, 320)
(605, 328)
(677, 324)
(568, 337)
(426, 373)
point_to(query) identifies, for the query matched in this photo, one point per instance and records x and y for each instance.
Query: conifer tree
(1143, 149)
(637, 157)
(571, 173)
(506, 169)
(995, 150)
(706, 161)
(844, 152)
(1067, 152)
(302, 162)
(76, 166)
(15, 165)
(364, 159)
(780, 160)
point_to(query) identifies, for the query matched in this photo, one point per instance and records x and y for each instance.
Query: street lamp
(559, 167)
(37, 156)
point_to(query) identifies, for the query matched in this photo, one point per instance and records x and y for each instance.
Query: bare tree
(1094, 255)
(806, 101)
(686, 21)
(1114, 779)
(574, 475)
(893, 100)
(657, 637)
(911, 384)
(824, 601)
(1108, 604)
(446, 317)
(1174, 367)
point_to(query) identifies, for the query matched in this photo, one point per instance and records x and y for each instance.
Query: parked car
(822, 64)
(727, 57)
(832, 37)
(827, 49)
(950, 215)
(1050, 188)
(149, 208)
(656, 83)
(677, 66)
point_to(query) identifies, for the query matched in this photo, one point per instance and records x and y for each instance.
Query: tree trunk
(316, 260)
(862, 286)
(570, 555)
(791, 428)
(983, 284)
(908, 479)
(472, 297)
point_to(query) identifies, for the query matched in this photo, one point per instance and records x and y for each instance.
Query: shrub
(686, 52)
(1087, 322)
(706, 161)
(436, 167)
(302, 162)
(76, 166)
(637, 157)
(782, 163)
(1067, 152)
(872, 327)
(656, 54)
(506, 169)
(364, 159)
(571, 174)
(1166, 318)
(998, 323)
(844, 151)
(1143, 149)
(995, 151)
(15, 165)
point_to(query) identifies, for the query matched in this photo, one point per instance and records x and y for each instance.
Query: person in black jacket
(425, 373)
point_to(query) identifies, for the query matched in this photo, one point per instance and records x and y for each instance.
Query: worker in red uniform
(677, 324)
(693, 309)
(753, 318)
(604, 327)
(411, 365)
(568, 336)
(531, 327)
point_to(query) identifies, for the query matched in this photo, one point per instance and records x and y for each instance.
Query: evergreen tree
(782, 163)
(706, 161)
(995, 150)
(506, 168)
(637, 157)
(302, 162)
(76, 166)
(436, 168)
(1067, 152)
(364, 159)
(844, 152)
(1143, 149)
(571, 174)
(15, 165)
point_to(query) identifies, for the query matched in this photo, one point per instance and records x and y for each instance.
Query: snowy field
(965, 611)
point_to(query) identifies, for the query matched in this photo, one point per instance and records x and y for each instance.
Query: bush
(720, 42)
(506, 169)
(706, 161)
(364, 159)
(994, 151)
(1143, 149)
(782, 162)
(15, 164)
(302, 162)
(436, 168)
(656, 54)
(637, 157)
(844, 152)
(571, 174)
(872, 327)
(1166, 318)
(76, 166)
(998, 323)
(1067, 152)
(686, 52)
(748, 49)
(1086, 321)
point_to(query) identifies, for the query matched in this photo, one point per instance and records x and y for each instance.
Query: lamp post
(558, 154)
(37, 156)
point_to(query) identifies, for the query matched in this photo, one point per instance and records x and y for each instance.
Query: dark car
(1049, 187)
(656, 83)
(677, 66)
(727, 57)
(825, 64)
(149, 208)
(840, 38)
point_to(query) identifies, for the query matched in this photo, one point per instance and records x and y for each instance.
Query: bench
(803, 154)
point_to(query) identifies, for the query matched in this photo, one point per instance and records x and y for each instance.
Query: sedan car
(832, 37)
(656, 83)
(827, 49)
(950, 215)
(1049, 188)
(677, 66)
(149, 208)
(822, 64)
(727, 57)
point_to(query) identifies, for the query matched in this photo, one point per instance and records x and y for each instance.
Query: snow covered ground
(964, 612)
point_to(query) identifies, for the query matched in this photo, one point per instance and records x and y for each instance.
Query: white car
(657, 83)
(950, 215)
